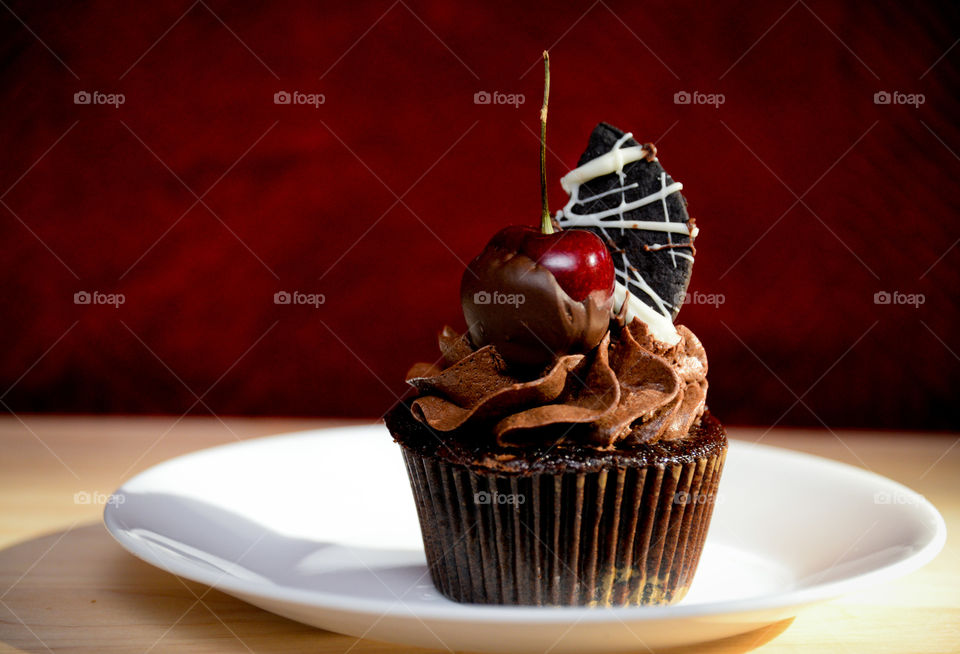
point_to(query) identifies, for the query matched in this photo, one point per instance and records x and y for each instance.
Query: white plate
(320, 527)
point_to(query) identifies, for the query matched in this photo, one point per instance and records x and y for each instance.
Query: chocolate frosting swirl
(630, 389)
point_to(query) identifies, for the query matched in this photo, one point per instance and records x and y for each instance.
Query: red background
(377, 198)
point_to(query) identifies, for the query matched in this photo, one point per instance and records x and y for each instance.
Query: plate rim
(481, 613)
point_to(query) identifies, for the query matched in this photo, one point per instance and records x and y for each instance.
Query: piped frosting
(630, 389)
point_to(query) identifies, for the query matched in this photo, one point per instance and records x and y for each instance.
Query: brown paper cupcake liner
(612, 537)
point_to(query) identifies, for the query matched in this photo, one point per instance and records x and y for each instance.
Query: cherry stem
(546, 225)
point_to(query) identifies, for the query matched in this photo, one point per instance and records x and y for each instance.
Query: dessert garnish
(538, 294)
(620, 192)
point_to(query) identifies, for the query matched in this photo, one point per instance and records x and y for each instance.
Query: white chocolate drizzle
(658, 319)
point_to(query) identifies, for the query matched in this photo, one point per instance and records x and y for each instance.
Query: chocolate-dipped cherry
(539, 294)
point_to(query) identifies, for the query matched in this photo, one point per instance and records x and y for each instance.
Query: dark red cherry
(578, 259)
(537, 296)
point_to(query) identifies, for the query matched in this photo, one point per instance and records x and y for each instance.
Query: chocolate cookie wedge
(620, 192)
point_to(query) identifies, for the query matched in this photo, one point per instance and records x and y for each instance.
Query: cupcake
(560, 451)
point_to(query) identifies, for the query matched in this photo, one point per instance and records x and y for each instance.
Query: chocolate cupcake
(592, 484)
(560, 452)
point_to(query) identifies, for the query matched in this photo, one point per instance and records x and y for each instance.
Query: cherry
(539, 294)
(577, 258)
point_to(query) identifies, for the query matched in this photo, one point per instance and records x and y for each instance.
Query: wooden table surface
(65, 585)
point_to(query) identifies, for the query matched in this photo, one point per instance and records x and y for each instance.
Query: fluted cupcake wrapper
(613, 537)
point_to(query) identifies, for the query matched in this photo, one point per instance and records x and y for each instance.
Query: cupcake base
(565, 528)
